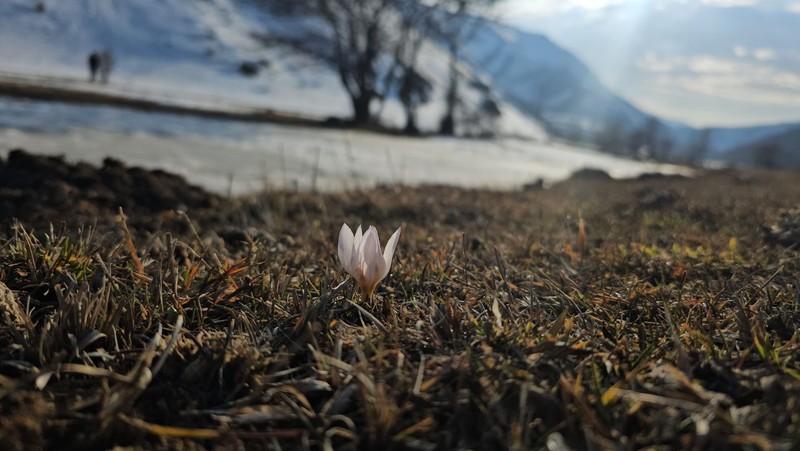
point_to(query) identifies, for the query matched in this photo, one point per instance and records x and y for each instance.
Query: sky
(702, 62)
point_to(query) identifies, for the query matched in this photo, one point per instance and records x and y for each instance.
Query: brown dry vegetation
(73, 91)
(670, 322)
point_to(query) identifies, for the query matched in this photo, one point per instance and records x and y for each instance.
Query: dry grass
(596, 314)
(74, 91)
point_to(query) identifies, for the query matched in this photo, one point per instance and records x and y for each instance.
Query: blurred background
(242, 95)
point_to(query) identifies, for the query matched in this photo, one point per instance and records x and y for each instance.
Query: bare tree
(698, 150)
(488, 113)
(651, 133)
(665, 147)
(657, 143)
(413, 88)
(358, 35)
(455, 23)
(611, 138)
(768, 156)
(354, 38)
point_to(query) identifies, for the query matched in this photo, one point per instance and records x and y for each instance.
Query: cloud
(706, 64)
(651, 63)
(729, 3)
(524, 11)
(543, 8)
(731, 79)
(764, 54)
(552, 7)
(760, 54)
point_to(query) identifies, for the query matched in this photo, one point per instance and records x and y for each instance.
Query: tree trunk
(447, 126)
(411, 123)
(361, 113)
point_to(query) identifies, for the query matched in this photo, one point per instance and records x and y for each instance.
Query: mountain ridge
(568, 95)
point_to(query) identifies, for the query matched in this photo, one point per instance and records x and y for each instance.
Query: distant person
(106, 64)
(94, 65)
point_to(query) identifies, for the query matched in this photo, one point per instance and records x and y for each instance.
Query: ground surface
(82, 93)
(669, 319)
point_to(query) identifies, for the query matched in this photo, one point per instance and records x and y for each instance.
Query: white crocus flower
(361, 256)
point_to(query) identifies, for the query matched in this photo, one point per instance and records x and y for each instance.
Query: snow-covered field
(242, 157)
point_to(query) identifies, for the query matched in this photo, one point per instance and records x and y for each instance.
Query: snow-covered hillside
(724, 140)
(189, 51)
(546, 81)
(192, 49)
(781, 150)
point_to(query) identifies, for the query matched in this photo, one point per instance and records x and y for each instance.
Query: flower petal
(361, 239)
(358, 236)
(354, 258)
(371, 264)
(346, 248)
(388, 253)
